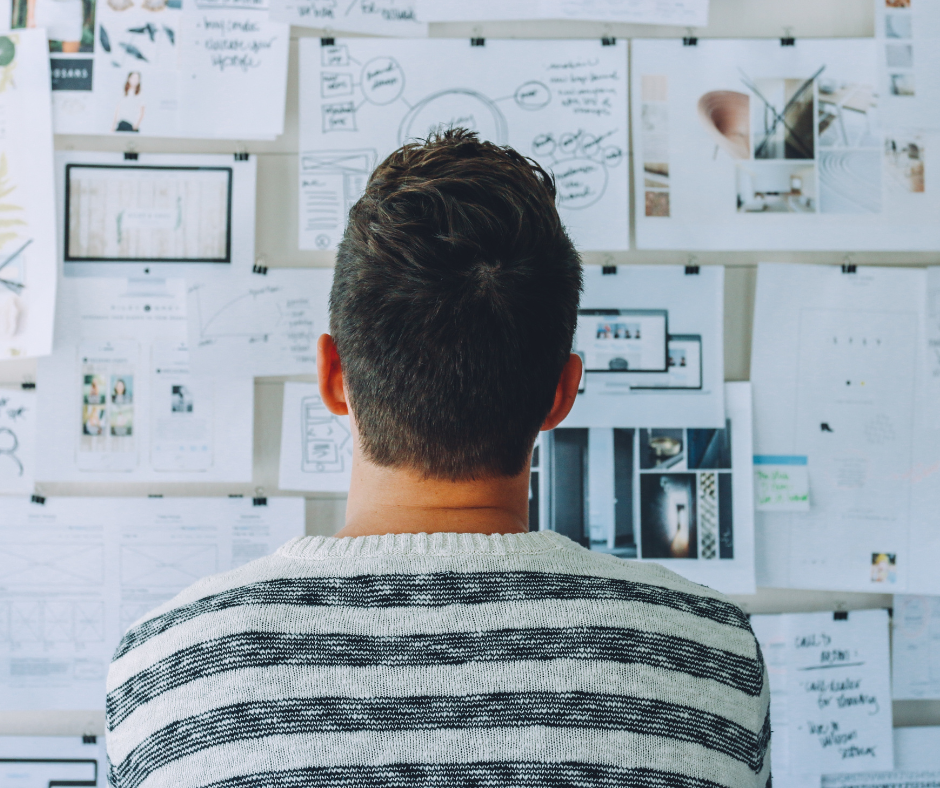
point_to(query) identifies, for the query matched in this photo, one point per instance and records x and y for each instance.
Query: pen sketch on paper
(376, 17)
(316, 445)
(17, 440)
(258, 325)
(362, 99)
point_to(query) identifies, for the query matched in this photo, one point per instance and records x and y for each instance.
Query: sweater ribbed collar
(437, 543)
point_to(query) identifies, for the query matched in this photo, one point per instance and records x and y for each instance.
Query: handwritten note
(234, 74)
(375, 17)
(781, 484)
(830, 692)
(17, 440)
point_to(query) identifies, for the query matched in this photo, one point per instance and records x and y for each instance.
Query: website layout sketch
(658, 494)
(565, 108)
(44, 761)
(17, 441)
(316, 446)
(182, 413)
(108, 436)
(148, 213)
(622, 340)
(330, 184)
(793, 139)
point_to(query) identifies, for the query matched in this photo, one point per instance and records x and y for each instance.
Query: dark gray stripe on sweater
(253, 720)
(435, 590)
(264, 649)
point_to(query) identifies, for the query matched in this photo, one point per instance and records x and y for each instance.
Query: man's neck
(395, 501)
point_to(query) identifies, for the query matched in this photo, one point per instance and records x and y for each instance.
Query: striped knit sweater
(444, 660)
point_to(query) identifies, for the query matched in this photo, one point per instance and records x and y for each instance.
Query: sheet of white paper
(212, 68)
(908, 34)
(933, 340)
(316, 446)
(669, 327)
(830, 693)
(781, 484)
(653, 12)
(253, 325)
(119, 401)
(916, 648)
(156, 215)
(837, 367)
(564, 103)
(680, 497)
(17, 441)
(27, 192)
(75, 573)
(747, 144)
(896, 779)
(233, 70)
(917, 748)
(43, 761)
(375, 17)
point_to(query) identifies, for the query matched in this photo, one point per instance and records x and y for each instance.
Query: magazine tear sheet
(680, 497)
(838, 369)
(745, 144)
(830, 693)
(75, 573)
(121, 401)
(316, 446)
(566, 108)
(651, 338)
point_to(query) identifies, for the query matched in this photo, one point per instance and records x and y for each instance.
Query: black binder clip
(788, 41)
(608, 270)
(690, 41)
(89, 738)
(327, 42)
(849, 268)
(478, 42)
(608, 41)
(242, 156)
(840, 615)
(257, 268)
(38, 499)
(691, 270)
(28, 385)
(259, 501)
(130, 155)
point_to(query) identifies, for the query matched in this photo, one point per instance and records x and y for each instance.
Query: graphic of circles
(7, 50)
(456, 108)
(382, 80)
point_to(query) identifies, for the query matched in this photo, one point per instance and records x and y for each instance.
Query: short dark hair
(453, 307)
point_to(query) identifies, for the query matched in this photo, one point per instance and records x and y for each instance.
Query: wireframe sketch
(52, 622)
(561, 105)
(162, 565)
(330, 184)
(148, 213)
(43, 564)
(325, 439)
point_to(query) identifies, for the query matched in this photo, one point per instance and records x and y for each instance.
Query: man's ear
(330, 376)
(565, 393)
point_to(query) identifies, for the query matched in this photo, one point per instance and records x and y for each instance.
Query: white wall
(277, 245)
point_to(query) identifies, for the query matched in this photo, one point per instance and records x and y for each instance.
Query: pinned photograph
(898, 26)
(776, 187)
(181, 399)
(710, 448)
(661, 449)
(850, 181)
(782, 117)
(657, 203)
(901, 84)
(668, 515)
(884, 568)
(899, 55)
(94, 389)
(94, 420)
(845, 115)
(897, 3)
(904, 157)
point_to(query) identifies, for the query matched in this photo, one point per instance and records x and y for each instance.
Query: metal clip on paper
(608, 270)
(327, 41)
(840, 615)
(257, 268)
(608, 41)
(690, 40)
(788, 40)
(36, 498)
(28, 385)
(242, 156)
(130, 155)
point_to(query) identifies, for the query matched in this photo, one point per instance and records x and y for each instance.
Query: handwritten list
(830, 693)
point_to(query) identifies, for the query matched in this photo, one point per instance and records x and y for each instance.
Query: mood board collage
(131, 279)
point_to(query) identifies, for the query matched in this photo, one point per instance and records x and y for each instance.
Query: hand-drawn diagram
(269, 323)
(174, 565)
(564, 108)
(39, 564)
(17, 440)
(325, 438)
(76, 622)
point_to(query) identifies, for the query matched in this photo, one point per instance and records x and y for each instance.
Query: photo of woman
(130, 109)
